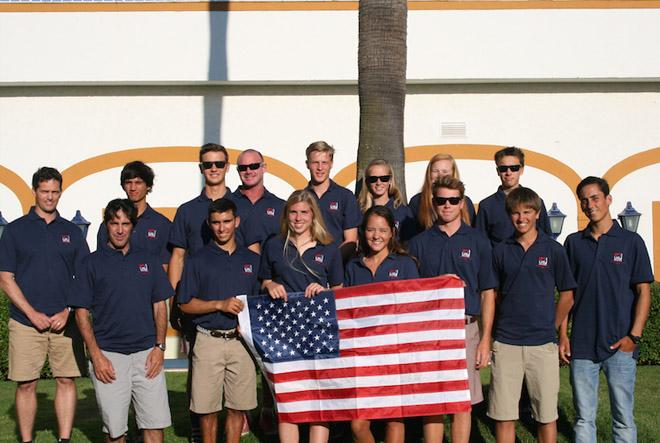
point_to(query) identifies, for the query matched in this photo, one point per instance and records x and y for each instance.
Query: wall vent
(453, 129)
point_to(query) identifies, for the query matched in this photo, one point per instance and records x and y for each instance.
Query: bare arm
(196, 306)
(642, 308)
(349, 245)
(155, 359)
(487, 318)
(255, 247)
(564, 305)
(275, 290)
(8, 284)
(103, 368)
(174, 271)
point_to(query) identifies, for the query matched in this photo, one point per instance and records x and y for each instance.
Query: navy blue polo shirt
(213, 274)
(467, 254)
(151, 233)
(494, 221)
(120, 290)
(189, 229)
(394, 267)
(339, 209)
(415, 203)
(43, 258)
(259, 221)
(293, 271)
(404, 219)
(526, 292)
(606, 271)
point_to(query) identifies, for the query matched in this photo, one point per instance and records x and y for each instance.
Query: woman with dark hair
(301, 259)
(382, 258)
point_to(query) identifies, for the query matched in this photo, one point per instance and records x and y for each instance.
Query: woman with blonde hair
(421, 204)
(301, 259)
(379, 189)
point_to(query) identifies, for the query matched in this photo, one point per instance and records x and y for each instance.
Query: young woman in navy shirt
(379, 188)
(421, 204)
(301, 259)
(382, 258)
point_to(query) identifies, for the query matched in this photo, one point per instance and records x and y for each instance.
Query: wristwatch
(635, 338)
(161, 346)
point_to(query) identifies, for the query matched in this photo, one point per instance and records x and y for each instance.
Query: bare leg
(547, 432)
(505, 431)
(208, 423)
(319, 432)
(434, 429)
(26, 407)
(233, 425)
(121, 439)
(460, 427)
(152, 435)
(395, 431)
(361, 431)
(65, 404)
(288, 432)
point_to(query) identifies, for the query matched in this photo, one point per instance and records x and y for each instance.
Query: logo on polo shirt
(247, 269)
(318, 258)
(466, 253)
(144, 268)
(617, 258)
(334, 206)
(66, 238)
(542, 262)
(394, 273)
(151, 233)
(270, 212)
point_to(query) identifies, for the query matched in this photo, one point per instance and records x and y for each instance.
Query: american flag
(383, 350)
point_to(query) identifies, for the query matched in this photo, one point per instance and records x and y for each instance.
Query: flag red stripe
(369, 413)
(373, 391)
(400, 308)
(394, 287)
(368, 371)
(401, 328)
(404, 347)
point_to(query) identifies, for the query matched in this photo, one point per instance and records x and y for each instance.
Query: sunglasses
(440, 201)
(374, 178)
(251, 167)
(218, 164)
(513, 168)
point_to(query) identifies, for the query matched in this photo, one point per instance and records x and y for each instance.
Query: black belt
(227, 334)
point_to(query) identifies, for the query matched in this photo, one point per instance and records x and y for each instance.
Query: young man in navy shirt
(260, 211)
(125, 289)
(529, 266)
(190, 232)
(452, 247)
(38, 255)
(212, 278)
(152, 231)
(492, 217)
(613, 273)
(338, 205)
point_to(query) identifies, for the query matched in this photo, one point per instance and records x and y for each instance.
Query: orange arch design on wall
(18, 186)
(169, 154)
(631, 164)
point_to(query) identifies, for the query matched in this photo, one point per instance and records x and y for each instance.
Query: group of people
(222, 244)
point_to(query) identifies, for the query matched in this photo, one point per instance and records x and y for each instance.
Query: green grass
(88, 425)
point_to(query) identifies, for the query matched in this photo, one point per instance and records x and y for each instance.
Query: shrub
(649, 352)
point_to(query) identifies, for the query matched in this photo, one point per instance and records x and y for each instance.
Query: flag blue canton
(298, 329)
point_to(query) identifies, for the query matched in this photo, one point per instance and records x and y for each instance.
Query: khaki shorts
(472, 338)
(148, 395)
(538, 366)
(221, 365)
(28, 349)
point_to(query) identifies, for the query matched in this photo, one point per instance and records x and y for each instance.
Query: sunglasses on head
(513, 168)
(374, 178)
(251, 167)
(218, 164)
(440, 201)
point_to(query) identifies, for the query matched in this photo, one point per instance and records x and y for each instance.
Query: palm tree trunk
(382, 84)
